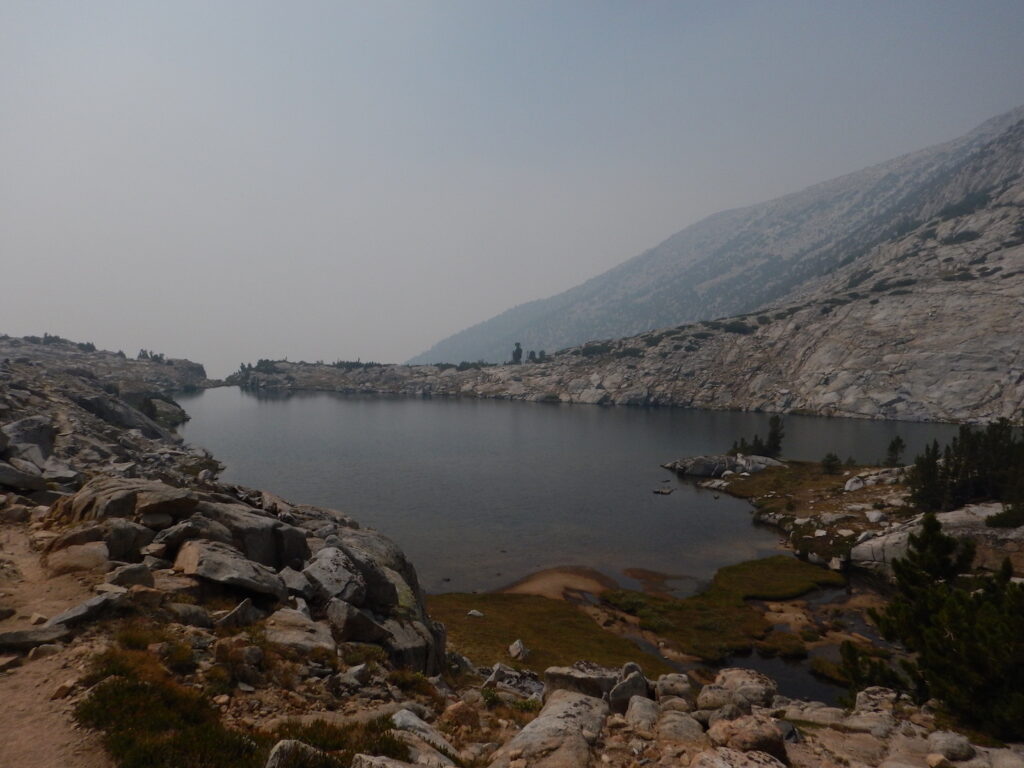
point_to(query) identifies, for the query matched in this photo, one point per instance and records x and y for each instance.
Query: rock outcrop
(877, 552)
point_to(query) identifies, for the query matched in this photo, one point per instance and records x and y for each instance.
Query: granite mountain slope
(735, 261)
(928, 325)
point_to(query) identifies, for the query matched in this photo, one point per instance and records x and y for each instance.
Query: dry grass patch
(719, 621)
(557, 633)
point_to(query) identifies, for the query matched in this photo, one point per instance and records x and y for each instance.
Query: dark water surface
(480, 493)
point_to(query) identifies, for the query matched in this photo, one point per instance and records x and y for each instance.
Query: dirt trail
(35, 730)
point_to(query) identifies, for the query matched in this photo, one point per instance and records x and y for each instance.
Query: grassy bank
(711, 625)
(720, 621)
(556, 632)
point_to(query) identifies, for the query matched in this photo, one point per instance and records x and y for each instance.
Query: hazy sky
(234, 180)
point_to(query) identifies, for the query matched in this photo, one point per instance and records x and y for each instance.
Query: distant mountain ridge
(927, 325)
(736, 261)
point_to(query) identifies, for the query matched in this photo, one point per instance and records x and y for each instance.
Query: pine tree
(773, 446)
(894, 454)
(925, 480)
(966, 634)
(831, 464)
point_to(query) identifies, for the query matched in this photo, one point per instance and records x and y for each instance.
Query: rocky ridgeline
(148, 385)
(924, 326)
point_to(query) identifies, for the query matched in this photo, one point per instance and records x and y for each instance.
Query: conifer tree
(894, 454)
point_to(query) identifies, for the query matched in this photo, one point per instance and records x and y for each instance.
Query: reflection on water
(481, 493)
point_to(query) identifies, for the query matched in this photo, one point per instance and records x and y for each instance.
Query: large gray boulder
(389, 577)
(124, 539)
(951, 745)
(223, 564)
(642, 713)
(588, 679)
(561, 736)
(634, 684)
(406, 720)
(12, 477)
(120, 414)
(262, 537)
(680, 727)
(334, 574)
(751, 733)
(351, 624)
(195, 527)
(290, 753)
(991, 545)
(23, 640)
(92, 609)
(673, 684)
(31, 439)
(412, 644)
(297, 631)
(106, 497)
(747, 685)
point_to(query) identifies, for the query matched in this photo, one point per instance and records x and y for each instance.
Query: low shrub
(372, 738)
(164, 725)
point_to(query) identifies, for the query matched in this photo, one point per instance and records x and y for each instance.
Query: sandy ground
(559, 583)
(35, 730)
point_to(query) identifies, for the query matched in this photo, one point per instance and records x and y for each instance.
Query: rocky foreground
(122, 555)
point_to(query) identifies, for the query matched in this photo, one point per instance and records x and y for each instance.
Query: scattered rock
(675, 684)
(26, 639)
(723, 757)
(291, 753)
(333, 574)
(127, 575)
(80, 557)
(63, 690)
(749, 733)
(952, 745)
(633, 685)
(680, 727)
(292, 629)
(90, 610)
(587, 679)
(517, 650)
(642, 713)
(404, 720)
(561, 736)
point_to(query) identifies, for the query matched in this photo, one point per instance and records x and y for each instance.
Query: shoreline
(285, 391)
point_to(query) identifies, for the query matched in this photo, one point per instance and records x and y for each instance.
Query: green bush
(1011, 517)
(163, 725)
